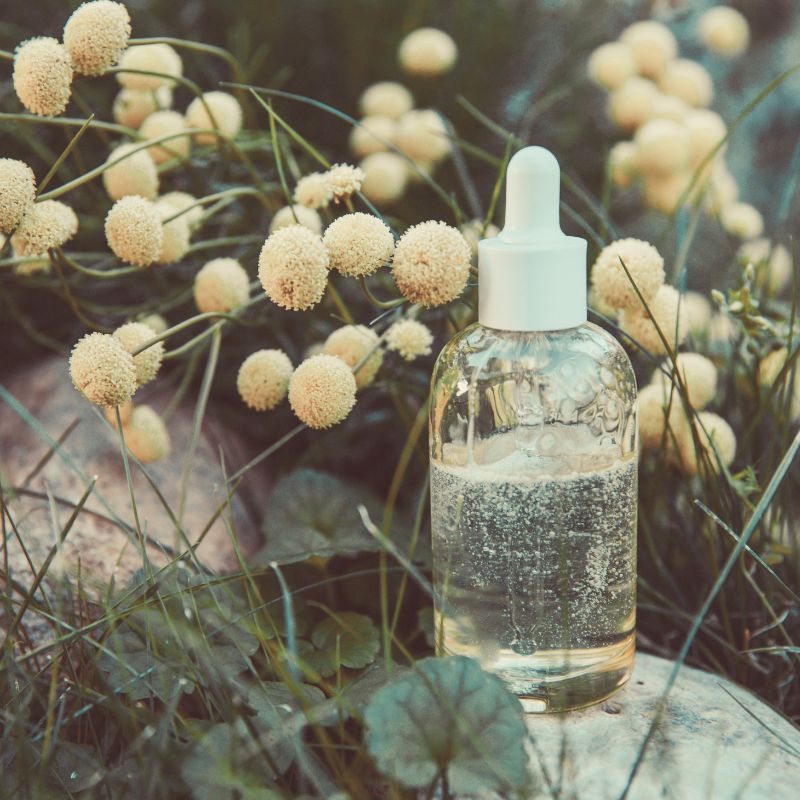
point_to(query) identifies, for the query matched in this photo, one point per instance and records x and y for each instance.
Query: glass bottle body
(533, 502)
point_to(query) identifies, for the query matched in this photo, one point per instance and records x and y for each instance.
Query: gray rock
(717, 741)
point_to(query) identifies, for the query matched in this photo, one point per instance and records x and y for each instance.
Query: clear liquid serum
(534, 467)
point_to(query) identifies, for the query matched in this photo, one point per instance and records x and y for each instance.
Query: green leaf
(310, 514)
(449, 717)
(351, 639)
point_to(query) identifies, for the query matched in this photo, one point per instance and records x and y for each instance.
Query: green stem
(398, 301)
(69, 122)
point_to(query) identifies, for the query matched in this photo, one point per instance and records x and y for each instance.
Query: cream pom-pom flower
(296, 215)
(125, 414)
(158, 58)
(385, 177)
(654, 407)
(372, 135)
(134, 231)
(351, 343)
(42, 76)
(706, 130)
(717, 441)
(134, 172)
(358, 244)
(344, 180)
(622, 164)
(771, 365)
(632, 103)
(44, 225)
(431, 263)
(164, 123)
(18, 192)
(724, 30)
(653, 45)
(293, 268)
(134, 334)
(176, 234)
(698, 375)
(146, 435)
(698, 312)
(742, 220)
(664, 192)
(665, 106)
(409, 338)
(133, 106)
(322, 391)
(221, 285)
(313, 190)
(422, 135)
(611, 64)
(664, 308)
(644, 263)
(263, 379)
(662, 147)
(226, 113)
(102, 370)
(427, 52)
(96, 35)
(181, 201)
(155, 322)
(386, 99)
(689, 81)
(722, 188)
(473, 231)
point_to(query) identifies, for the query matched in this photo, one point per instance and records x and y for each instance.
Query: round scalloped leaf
(357, 636)
(449, 717)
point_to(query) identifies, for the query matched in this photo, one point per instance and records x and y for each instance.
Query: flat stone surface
(97, 545)
(709, 746)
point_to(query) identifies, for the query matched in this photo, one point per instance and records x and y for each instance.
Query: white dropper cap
(532, 276)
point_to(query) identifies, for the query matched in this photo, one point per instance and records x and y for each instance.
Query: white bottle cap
(532, 276)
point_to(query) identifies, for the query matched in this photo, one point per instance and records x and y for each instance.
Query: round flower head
(163, 123)
(358, 244)
(664, 192)
(611, 64)
(221, 285)
(706, 130)
(313, 191)
(665, 106)
(45, 225)
(644, 263)
(343, 180)
(662, 147)
(148, 362)
(102, 370)
(698, 312)
(597, 303)
(134, 174)
(717, 441)
(322, 391)
(42, 76)
(176, 234)
(431, 264)
(632, 103)
(724, 30)
(655, 405)
(653, 46)
(132, 106)
(722, 189)
(180, 201)
(372, 135)
(386, 99)
(771, 365)
(146, 436)
(664, 309)
(385, 177)
(160, 58)
(17, 192)
(125, 414)
(225, 111)
(622, 163)
(263, 379)
(296, 215)
(473, 231)
(410, 339)
(155, 322)
(351, 343)
(422, 135)
(689, 81)
(96, 35)
(134, 231)
(742, 220)
(698, 374)
(293, 268)
(427, 52)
